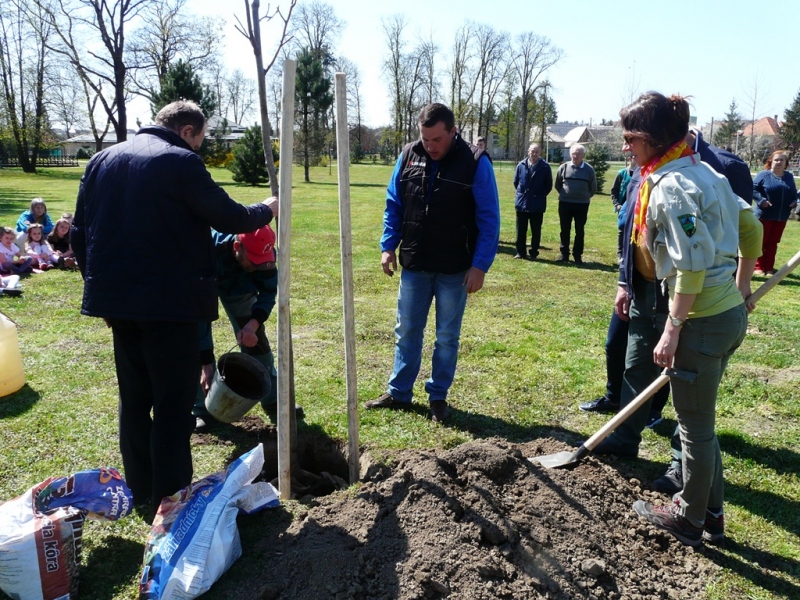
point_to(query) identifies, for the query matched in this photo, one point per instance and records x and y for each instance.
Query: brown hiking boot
(387, 401)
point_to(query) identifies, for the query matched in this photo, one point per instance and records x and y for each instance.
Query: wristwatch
(676, 322)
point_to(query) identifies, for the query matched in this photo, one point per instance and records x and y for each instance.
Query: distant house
(234, 132)
(765, 127)
(86, 141)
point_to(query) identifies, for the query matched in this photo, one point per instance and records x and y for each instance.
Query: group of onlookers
(774, 192)
(37, 244)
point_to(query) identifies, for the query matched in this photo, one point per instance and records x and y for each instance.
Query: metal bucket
(239, 383)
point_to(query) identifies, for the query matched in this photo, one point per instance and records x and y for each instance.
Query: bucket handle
(222, 362)
(221, 366)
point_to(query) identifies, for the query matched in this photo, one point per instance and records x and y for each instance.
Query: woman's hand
(664, 353)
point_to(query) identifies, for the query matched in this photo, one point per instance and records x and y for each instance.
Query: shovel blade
(559, 459)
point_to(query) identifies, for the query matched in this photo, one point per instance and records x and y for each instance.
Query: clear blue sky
(713, 50)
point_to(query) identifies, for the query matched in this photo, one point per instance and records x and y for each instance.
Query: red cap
(259, 245)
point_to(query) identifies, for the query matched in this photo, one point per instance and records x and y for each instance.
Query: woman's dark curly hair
(660, 121)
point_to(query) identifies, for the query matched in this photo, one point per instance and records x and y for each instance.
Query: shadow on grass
(19, 402)
(754, 565)
(510, 249)
(791, 280)
(110, 568)
(780, 460)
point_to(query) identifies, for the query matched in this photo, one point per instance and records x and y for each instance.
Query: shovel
(567, 459)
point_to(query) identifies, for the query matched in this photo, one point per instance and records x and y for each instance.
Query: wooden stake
(346, 236)
(284, 277)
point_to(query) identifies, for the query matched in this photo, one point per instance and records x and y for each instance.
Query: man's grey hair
(580, 147)
(532, 146)
(178, 114)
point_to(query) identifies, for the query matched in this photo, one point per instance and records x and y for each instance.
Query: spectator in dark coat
(142, 238)
(533, 181)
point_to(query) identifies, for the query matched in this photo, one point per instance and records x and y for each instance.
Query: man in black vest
(443, 212)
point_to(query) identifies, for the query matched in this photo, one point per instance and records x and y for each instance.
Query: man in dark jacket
(533, 180)
(442, 211)
(142, 237)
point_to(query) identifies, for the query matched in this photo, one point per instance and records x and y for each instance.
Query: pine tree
(597, 156)
(314, 98)
(725, 136)
(248, 164)
(181, 82)
(790, 130)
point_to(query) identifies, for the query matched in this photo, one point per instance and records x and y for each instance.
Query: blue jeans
(417, 290)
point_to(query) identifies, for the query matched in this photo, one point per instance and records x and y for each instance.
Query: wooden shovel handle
(775, 279)
(606, 429)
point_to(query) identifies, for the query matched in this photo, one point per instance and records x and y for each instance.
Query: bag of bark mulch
(194, 538)
(41, 531)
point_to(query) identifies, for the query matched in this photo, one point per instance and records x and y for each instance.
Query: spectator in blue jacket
(133, 198)
(775, 194)
(37, 213)
(533, 180)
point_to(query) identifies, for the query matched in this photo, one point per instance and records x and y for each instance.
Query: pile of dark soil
(478, 521)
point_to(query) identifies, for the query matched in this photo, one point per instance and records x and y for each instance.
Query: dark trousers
(535, 220)
(567, 212)
(644, 331)
(158, 367)
(616, 349)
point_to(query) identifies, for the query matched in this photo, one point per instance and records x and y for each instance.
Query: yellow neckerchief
(639, 233)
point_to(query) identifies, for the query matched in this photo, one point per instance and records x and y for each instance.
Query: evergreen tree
(181, 82)
(314, 98)
(597, 156)
(248, 164)
(725, 135)
(790, 130)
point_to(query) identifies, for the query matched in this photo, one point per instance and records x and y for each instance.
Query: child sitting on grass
(59, 242)
(11, 260)
(36, 214)
(38, 249)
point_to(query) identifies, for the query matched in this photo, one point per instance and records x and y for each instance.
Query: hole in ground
(319, 463)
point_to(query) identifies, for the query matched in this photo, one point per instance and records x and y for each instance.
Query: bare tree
(492, 47)
(753, 101)
(253, 34)
(461, 71)
(168, 33)
(274, 85)
(354, 102)
(428, 50)
(79, 25)
(241, 94)
(23, 59)
(65, 98)
(631, 87)
(394, 67)
(534, 55)
(316, 26)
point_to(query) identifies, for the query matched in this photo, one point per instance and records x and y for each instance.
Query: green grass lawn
(532, 349)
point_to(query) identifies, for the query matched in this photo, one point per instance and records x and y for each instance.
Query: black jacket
(142, 230)
(439, 230)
